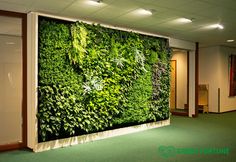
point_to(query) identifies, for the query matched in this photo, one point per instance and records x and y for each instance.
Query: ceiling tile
(170, 3)
(230, 4)
(50, 6)
(122, 13)
(81, 9)
(107, 14)
(14, 7)
(19, 2)
(194, 7)
(219, 13)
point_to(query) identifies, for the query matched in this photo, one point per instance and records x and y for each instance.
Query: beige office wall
(181, 44)
(226, 103)
(209, 70)
(213, 70)
(181, 60)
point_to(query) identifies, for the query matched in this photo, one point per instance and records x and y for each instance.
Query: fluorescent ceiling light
(144, 12)
(230, 40)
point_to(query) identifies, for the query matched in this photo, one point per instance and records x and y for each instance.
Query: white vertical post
(32, 70)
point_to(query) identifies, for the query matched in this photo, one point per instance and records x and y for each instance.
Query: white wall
(213, 70)
(181, 70)
(209, 61)
(181, 44)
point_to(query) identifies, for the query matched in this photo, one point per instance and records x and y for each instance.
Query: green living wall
(93, 78)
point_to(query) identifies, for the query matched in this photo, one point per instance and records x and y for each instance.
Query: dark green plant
(93, 78)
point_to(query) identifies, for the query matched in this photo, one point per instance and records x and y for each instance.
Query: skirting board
(97, 136)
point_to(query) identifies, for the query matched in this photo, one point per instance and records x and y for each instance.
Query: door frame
(196, 78)
(183, 113)
(175, 81)
(188, 81)
(23, 17)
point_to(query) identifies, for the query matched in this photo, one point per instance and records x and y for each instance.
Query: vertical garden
(93, 78)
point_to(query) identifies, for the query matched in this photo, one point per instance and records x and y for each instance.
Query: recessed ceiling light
(184, 20)
(214, 26)
(94, 2)
(218, 26)
(230, 40)
(142, 11)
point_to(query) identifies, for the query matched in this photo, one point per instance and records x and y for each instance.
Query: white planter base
(97, 136)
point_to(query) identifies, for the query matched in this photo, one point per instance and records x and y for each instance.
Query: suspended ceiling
(163, 21)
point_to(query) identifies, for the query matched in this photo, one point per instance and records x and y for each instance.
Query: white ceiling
(122, 13)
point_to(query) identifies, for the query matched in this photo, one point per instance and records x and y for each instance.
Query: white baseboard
(97, 136)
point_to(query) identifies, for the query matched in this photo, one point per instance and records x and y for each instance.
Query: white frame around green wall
(32, 98)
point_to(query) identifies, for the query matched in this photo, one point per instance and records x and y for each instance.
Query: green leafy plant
(93, 78)
(79, 43)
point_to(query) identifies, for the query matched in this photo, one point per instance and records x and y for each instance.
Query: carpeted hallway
(210, 137)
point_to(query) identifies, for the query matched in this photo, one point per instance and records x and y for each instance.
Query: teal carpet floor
(210, 138)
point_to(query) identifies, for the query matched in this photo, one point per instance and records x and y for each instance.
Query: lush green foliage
(93, 78)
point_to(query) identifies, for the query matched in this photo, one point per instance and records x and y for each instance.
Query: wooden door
(13, 77)
(173, 85)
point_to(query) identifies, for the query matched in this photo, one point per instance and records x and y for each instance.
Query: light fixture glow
(230, 40)
(10, 43)
(94, 2)
(184, 20)
(218, 26)
(144, 12)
